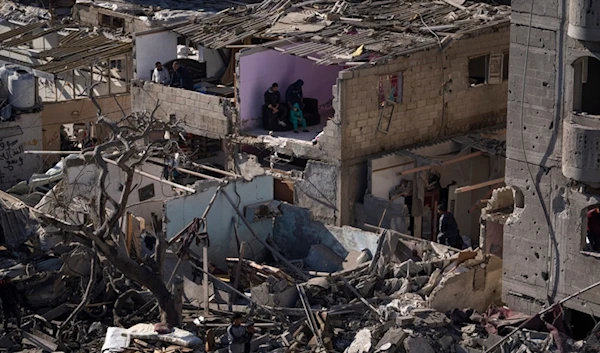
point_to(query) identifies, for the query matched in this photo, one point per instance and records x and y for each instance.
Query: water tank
(581, 148)
(5, 71)
(21, 90)
(584, 20)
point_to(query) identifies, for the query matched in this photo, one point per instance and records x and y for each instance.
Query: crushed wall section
(201, 114)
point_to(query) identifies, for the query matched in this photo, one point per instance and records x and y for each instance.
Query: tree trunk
(149, 279)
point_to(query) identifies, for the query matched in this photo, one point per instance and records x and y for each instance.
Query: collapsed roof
(330, 32)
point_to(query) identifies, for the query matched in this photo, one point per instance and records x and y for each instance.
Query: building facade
(552, 154)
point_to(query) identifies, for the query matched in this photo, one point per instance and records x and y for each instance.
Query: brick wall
(427, 112)
(201, 114)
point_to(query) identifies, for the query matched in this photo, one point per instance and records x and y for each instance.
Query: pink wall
(259, 70)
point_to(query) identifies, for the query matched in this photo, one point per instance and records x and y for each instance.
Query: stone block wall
(543, 241)
(89, 15)
(437, 99)
(201, 114)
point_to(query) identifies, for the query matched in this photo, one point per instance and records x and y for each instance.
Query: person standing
(294, 94)
(10, 302)
(238, 335)
(160, 75)
(181, 77)
(448, 228)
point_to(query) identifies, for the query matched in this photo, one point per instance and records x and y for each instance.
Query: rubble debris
(322, 259)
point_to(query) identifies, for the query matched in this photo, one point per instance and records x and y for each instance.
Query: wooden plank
(479, 186)
(445, 163)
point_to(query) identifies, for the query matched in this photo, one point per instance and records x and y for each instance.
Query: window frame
(399, 88)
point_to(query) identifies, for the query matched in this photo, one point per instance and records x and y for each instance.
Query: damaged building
(380, 83)
(67, 62)
(552, 157)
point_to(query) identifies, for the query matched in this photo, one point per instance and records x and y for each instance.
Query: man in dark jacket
(448, 233)
(273, 103)
(294, 94)
(10, 302)
(181, 77)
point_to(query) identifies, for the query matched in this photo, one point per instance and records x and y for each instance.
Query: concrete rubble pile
(391, 304)
(410, 296)
(47, 275)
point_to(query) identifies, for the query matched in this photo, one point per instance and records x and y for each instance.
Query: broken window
(591, 229)
(478, 70)
(390, 89)
(116, 64)
(586, 86)
(111, 21)
(486, 69)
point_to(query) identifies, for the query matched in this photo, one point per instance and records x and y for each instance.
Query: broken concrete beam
(363, 342)
(431, 318)
(42, 343)
(395, 337)
(405, 320)
(286, 298)
(323, 259)
(417, 345)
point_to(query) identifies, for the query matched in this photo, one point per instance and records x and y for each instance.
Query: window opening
(586, 86)
(390, 89)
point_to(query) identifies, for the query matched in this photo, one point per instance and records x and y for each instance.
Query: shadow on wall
(294, 232)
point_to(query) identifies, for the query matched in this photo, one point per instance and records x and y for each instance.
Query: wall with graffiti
(23, 134)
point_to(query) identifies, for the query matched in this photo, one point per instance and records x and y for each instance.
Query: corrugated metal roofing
(381, 27)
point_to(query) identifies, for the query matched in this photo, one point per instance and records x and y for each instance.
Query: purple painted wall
(259, 70)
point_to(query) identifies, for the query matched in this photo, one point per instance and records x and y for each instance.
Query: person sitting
(294, 94)
(181, 77)
(160, 74)
(273, 103)
(296, 116)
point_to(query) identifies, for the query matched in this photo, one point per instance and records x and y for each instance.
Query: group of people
(181, 76)
(294, 104)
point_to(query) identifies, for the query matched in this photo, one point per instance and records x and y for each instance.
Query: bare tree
(128, 149)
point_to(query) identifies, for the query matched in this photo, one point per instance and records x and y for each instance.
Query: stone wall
(427, 111)
(543, 242)
(201, 114)
(87, 14)
(437, 101)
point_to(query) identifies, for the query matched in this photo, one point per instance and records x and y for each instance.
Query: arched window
(586, 85)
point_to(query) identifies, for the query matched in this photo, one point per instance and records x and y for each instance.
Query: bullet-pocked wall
(436, 93)
(544, 244)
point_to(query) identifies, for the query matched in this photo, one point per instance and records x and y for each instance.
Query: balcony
(581, 147)
(584, 20)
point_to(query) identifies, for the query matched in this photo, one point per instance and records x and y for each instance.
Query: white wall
(21, 135)
(153, 47)
(83, 181)
(179, 212)
(214, 63)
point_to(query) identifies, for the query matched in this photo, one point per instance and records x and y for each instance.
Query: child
(296, 116)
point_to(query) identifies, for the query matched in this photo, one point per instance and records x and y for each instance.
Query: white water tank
(21, 90)
(5, 71)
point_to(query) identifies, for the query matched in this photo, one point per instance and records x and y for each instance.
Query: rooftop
(330, 32)
(76, 47)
